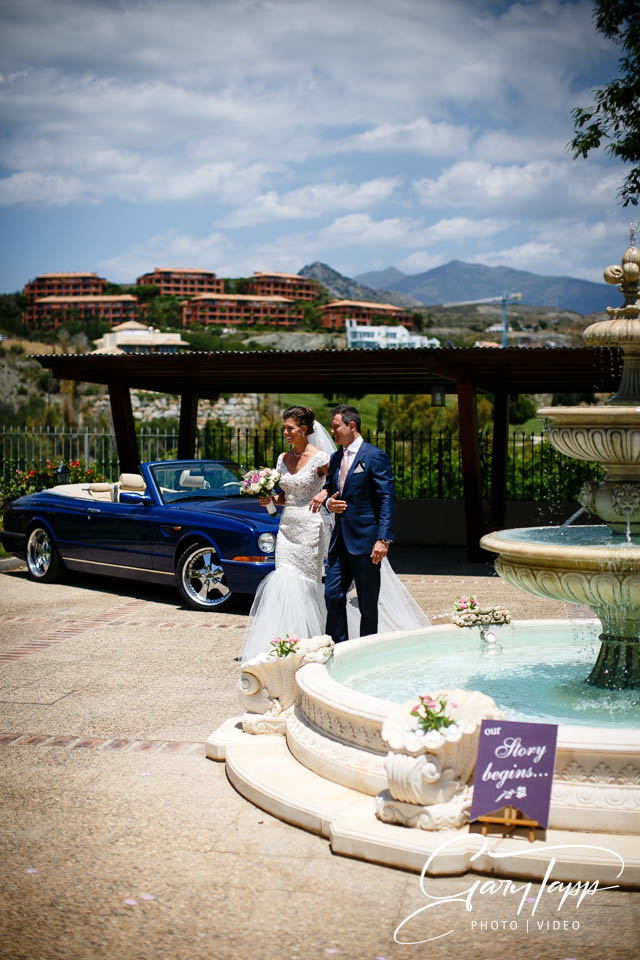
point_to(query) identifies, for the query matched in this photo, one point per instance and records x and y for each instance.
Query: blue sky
(242, 135)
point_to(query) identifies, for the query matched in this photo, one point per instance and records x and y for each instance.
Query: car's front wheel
(201, 579)
(43, 559)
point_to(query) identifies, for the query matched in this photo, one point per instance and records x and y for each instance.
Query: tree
(615, 115)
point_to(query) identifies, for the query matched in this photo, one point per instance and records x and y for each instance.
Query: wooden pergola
(464, 371)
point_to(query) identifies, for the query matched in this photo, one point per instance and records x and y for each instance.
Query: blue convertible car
(179, 522)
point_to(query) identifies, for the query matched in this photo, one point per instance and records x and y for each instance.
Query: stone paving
(119, 839)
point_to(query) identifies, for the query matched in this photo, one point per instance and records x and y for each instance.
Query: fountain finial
(623, 327)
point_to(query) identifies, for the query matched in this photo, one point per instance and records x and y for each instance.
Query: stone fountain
(342, 762)
(596, 565)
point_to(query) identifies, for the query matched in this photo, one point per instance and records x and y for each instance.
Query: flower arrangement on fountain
(261, 483)
(282, 648)
(433, 743)
(433, 714)
(469, 612)
(267, 684)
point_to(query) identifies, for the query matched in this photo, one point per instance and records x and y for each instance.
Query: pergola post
(471, 467)
(499, 459)
(188, 426)
(124, 428)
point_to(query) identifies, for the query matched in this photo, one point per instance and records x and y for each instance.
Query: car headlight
(267, 542)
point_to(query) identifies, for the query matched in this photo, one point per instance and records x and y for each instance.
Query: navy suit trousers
(343, 569)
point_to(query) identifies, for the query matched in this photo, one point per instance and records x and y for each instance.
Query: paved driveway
(118, 839)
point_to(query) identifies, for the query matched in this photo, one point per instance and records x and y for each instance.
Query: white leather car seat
(189, 482)
(130, 483)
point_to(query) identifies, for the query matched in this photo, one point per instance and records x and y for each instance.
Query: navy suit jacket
(369, 491)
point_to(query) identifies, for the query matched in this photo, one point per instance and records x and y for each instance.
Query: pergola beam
(467, 371)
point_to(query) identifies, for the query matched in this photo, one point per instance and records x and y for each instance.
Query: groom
(362, 498)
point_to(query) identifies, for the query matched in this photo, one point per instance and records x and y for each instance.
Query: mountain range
(458, 281)
(347, 289)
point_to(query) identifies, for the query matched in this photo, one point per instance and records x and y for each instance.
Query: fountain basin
(337, 727)
(585, 565)
(325, 775)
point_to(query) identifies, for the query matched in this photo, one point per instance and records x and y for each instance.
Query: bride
(290, 600)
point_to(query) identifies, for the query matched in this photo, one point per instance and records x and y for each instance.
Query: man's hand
(379, 551)
(336, 506)
(318, 500)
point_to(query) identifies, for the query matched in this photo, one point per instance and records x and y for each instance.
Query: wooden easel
(511, 819)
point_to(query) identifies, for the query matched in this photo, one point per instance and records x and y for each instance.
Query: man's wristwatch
(388, 542)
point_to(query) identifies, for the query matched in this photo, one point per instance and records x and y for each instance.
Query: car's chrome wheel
(43, 562)
(201, 579)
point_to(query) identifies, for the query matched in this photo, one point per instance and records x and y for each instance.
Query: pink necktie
(344, 470)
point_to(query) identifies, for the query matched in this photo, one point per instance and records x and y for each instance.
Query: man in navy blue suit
(361, 495)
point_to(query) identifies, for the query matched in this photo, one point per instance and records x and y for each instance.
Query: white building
(377, 338)
(134, 337)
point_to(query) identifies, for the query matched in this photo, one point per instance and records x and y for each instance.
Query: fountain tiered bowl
(596, 565)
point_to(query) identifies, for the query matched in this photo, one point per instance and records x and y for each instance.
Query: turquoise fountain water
(535, 671)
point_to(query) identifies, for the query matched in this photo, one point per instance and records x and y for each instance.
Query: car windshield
(197, 479)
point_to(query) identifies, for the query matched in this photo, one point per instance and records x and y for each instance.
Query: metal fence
(425, 464)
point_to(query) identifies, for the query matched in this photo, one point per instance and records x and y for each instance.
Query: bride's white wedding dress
(290, 600)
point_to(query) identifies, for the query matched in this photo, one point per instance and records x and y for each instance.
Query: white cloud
(563, 247)
(43, 189)
(175, 86)
(315, 200)
(419, 261)
(211, 252)
(246, 114)
(537, 188)
(419, 136)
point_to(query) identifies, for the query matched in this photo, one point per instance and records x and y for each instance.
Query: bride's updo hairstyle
(303, 416)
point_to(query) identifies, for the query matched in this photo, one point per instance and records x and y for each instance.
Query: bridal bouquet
(261, 483)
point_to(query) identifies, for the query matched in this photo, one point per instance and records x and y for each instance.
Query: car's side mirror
(134, 498)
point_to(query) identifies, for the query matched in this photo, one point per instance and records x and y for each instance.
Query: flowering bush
(432, 714)
(466, 604)
(286, 646)
(22, 482)
(259, 483)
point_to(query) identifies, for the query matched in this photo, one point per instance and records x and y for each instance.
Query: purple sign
(515, 768)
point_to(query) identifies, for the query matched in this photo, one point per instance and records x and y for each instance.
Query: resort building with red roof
(335, 313)
(51, 312)
(64, 285)
(237, 309)
(182, 281)
(284, 285)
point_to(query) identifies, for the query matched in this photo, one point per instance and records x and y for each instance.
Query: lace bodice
(301, 537)
(300, 487)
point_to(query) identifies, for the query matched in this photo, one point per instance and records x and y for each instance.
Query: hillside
(380, 279)
(344, 288)
(457, 281)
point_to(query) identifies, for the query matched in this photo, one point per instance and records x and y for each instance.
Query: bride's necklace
(298, 455)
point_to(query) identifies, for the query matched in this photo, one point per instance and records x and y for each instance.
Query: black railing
(426, 464)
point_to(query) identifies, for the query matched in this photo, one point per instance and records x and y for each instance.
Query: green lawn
(368, 407)
(531, 426)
